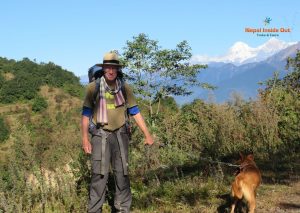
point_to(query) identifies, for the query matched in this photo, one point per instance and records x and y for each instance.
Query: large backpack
(94, 74)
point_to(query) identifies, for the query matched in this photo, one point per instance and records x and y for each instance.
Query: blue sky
(75, 33)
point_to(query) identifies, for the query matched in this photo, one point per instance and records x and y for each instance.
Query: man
(109, 143)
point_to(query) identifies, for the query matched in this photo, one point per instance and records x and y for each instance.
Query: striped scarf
(119, 99)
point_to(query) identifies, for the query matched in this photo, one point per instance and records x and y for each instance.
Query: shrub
(39, 104)
(4, 130)
(74, 90)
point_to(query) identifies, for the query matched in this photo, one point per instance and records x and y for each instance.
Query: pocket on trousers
(125, 141)
(125, 138)
(96, 166)
(96, 148)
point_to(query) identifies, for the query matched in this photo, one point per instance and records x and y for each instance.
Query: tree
(291, 82)
(158, 73)
(1, 80)
(284, 96)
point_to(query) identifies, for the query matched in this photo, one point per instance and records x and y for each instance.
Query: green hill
(21, 80)
(33, 94)
(40, 128)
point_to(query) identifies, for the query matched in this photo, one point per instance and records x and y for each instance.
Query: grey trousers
(112, 156)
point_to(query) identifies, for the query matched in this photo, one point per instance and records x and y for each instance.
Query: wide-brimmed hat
(111, 58)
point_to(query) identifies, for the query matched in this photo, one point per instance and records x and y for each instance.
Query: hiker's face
(110, 72)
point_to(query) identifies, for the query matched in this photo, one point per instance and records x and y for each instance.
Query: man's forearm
(84, 127)
(141, 123)
(86, 145)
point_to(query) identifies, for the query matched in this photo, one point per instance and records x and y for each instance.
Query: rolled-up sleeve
(86, 111)
(133, 110)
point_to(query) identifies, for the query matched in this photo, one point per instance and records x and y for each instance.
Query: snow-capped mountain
(243, 78)
(242, 53)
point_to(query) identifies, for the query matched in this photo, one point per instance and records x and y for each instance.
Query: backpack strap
(96, 91)
(127, 116)
(124, 91)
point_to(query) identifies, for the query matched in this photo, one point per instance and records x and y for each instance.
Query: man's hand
(149, 140)
(86, 145)
(142, 125)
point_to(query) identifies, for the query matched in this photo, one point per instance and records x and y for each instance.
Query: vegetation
(45, 170)
(39, 104)
(158, 73)
(29, 76)
(4, 130)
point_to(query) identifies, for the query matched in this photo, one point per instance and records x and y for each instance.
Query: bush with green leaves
(74, 90)
(1, 80)
(4, 130)
(39, 104)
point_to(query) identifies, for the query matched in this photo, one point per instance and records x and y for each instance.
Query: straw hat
(110, 58)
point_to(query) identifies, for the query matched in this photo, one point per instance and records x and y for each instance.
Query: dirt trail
(278, 198)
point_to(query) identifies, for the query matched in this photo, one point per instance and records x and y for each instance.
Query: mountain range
(245, 77)
(240, 70)
(241, 53)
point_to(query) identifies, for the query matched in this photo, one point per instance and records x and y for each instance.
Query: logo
(268, 30)
(267, 21)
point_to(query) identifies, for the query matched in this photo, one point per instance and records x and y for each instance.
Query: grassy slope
(58, 101)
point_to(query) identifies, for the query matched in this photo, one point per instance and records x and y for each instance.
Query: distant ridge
(241, 53)
(242, 79)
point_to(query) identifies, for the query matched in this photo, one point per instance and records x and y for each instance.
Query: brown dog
(245, 183)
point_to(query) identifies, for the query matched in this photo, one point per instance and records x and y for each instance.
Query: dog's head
(246, 159)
